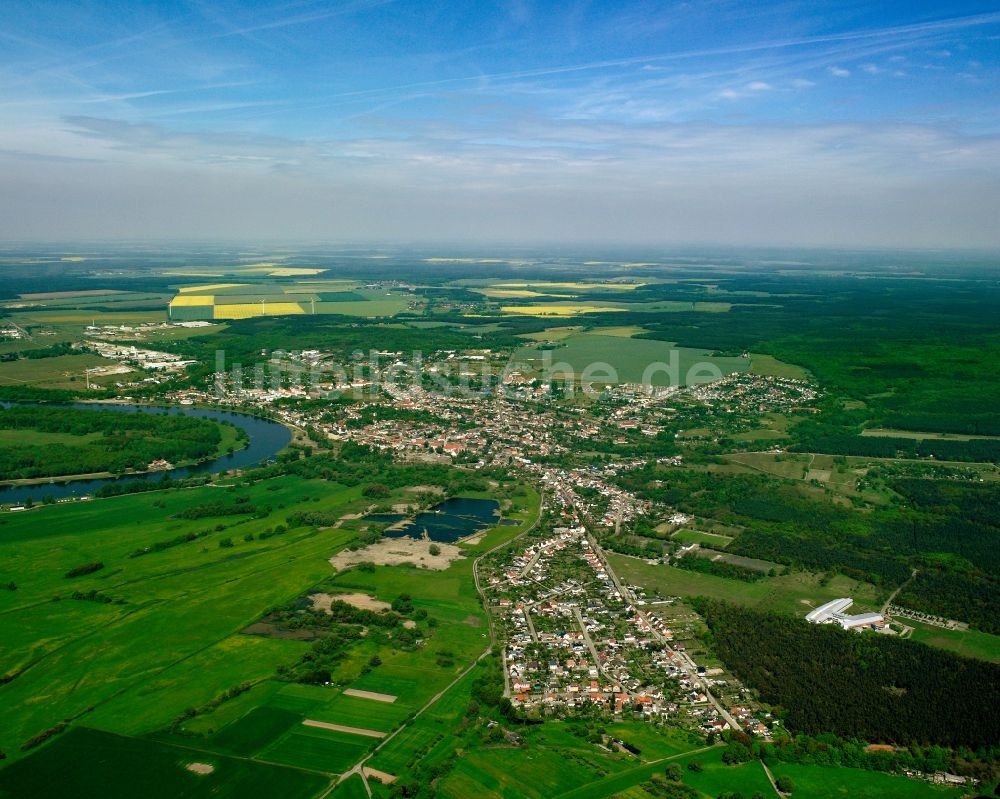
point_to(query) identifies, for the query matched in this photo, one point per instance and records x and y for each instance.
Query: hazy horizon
(834, 125)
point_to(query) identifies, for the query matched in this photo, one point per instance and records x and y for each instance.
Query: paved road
(531, 625)
(587, 639)
(531, 563)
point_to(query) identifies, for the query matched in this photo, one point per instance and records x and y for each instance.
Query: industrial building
(834, 612)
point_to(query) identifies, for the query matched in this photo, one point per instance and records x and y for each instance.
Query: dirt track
(325, 725)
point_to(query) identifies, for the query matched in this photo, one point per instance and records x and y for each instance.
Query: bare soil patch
(362, 601)
(396, 551)
(381, 776)
(325, 725)
(426, 489)
(369, 695)
(200, 768)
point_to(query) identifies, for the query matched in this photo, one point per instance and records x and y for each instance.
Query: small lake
(446, 522)
(266, 439)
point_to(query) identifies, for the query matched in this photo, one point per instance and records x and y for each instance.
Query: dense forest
(857, 685)
(954, 537)
(978, 450)
(101, 441)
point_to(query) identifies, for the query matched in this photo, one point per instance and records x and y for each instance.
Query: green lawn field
(629, 362)
(820, 782)
(61, 371)
(698, 537)
(791, 593)
(971, 643)
(85, 762)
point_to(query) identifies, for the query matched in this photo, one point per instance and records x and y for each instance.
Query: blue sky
(842, 123)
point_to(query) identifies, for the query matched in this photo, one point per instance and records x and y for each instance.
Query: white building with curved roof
(835, 612)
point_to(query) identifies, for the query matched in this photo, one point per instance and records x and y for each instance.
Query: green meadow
(168, 636)
(630, 357)
(791, 593)
(820, 782)
(699, 537)
(61, 371)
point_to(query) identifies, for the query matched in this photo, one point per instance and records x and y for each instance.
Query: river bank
(265, 439)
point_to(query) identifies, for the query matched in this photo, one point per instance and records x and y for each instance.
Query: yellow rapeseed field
(245, 310)
(192, 299)
(556, 310)
(208, 287)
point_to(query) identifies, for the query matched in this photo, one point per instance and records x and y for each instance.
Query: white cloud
(839, 72)
(759, 86)
(535, 180)
(871, 69)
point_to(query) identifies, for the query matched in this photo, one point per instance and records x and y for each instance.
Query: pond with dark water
(447, 522)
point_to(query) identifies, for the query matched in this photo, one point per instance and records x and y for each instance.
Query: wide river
(266, 440)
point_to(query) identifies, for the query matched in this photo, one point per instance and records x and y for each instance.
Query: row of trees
(973, 450)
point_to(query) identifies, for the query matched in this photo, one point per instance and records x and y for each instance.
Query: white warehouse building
(835, 612)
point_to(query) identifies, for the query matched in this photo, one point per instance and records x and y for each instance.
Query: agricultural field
(107, 300)
(132, 663)
(119, 655)
(566, 309)
(227, 301)
(580, 306)
(86, 762)
(629, 362)
(768, 365)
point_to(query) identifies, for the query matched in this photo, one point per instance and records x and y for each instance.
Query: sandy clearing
(409, 624)
(200, 768)
(381, 776)
(369, 695)
(362, 601)
(325, 725)
(428, 489)
(395, 551)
